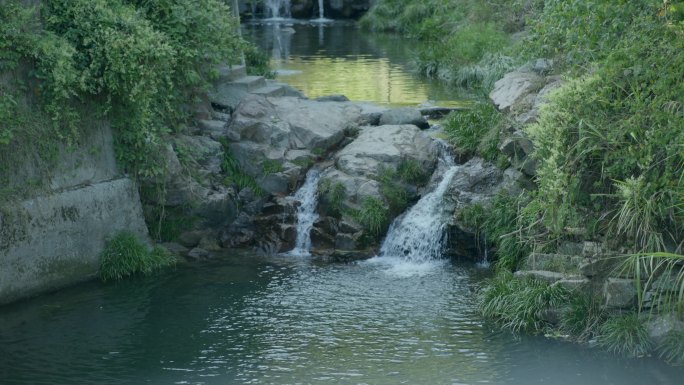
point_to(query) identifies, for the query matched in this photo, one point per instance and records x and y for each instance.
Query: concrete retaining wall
(54, 241)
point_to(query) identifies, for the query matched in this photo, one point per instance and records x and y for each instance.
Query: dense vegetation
(609, 143)
(140, 64)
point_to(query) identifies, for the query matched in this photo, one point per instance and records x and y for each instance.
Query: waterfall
(307, 196)
(420, 234)
(278, 8)
(321, 14)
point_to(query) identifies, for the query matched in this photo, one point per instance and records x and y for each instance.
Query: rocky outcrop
(476, 182)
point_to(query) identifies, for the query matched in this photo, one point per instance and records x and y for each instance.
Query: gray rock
(567, 264)
(175, 248)
(400, 116)
(546, 276)
(542, 66)
(332, 98)
(619, 293)
(215, 129)
(198, 254)
(349, 227)
(661, 325)
(190, 239)
(207, 152)
(275, 183)
(513, 87)
(345, 242)
(596, 266)
(573, 284)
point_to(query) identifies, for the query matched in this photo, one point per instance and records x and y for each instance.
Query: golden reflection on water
(336, 59)
(359, 78)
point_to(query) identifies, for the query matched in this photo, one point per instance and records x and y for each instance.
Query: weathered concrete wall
(53, 241)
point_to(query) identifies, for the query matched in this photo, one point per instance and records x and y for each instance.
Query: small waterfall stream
(307, 196)
(278, 8)
(420, 234)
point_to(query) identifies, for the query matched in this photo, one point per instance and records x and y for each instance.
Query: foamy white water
(307, 196)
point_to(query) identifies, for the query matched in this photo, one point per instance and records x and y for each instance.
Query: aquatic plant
(126, 255)
(625, 335)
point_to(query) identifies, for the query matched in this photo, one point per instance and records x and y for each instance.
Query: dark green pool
(248, 320)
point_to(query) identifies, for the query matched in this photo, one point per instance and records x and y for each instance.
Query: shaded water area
(339, 58)
(284, 320)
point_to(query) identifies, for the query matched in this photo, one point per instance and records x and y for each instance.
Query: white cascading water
(278, 8)
(420, 235)
(307, 196)
(321, 10)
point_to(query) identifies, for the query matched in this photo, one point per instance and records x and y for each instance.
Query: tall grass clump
(658, 277)
(582, 317)
(466, 129)
(671, 348)
(125, 255)
(625, 335)
(374, 216)
(520, 304)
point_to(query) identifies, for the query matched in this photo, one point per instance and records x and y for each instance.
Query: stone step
(568, 264)
(231, 73)
(249, 83)
(270, 90)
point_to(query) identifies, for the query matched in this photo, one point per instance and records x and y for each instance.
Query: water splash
(420, 235)
(307, 196)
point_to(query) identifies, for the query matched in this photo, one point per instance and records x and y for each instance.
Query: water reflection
(338, 58)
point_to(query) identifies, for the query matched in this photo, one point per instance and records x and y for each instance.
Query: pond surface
(339, 58)
(285, 320)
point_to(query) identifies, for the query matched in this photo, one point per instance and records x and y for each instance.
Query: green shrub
(520, 304)
(125, 255)
(671, 349)
(141, 62)
(235, 176)
(625, 335)
(466, 129)
(258, 62)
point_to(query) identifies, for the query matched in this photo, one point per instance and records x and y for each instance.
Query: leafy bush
(610, 142)
(258, 62)
(141, 62)
(625, 335)
(520, 304)
(125, 255)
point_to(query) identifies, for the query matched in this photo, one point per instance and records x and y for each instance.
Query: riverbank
(604, 152)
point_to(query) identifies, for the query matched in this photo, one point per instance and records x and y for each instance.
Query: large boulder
(358, 165)
(513, 88)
